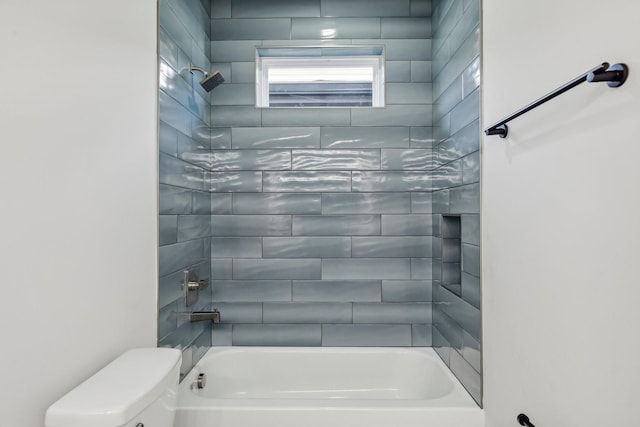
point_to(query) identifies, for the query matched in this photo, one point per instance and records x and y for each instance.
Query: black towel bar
(615, 76)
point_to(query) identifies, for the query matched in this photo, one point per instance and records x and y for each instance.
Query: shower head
(210, 80)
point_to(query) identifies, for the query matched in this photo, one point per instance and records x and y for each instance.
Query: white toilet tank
(137, 389)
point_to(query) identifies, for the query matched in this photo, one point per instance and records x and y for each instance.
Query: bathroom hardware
(615, 76)
(192, 287)
(201, 381)
(210, 80)
(199, 316)
(524, 421)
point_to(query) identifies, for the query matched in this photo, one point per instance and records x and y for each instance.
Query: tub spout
(199, 316)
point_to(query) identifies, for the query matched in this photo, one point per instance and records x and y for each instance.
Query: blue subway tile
(421, 7)
(471, 259)
(366, 203)
(471, 77)
(407, 225)
(307, 312)
(391, 181)
(366, 8)
(307, 181)
(221, 9)
(464, 314)
(251, 225)
(168, 139)
(401, 49)
(252, 160)
(170, 288)
(463, 142)
(221, 203)
(276, 203)
(337, 290)
(336, 225)
(397, 72)
(172, 258)
(221, 269)
(393, 115)
(167, 320)
(287, 8)
(201, 203)
(366, 335)
(250, 29)
(447, 176)
(471, 229)
(305, 117)
(465, 199)
(407, 159)
(236, 247)
(250, 290)
(239, 312)
(471, 168)
(277, 335)
(365, 137)
(421, 203)
(471, 351)
(230, 182)
(179, 173)
(235, 115)
(405, 28)
(334, 28)
(406, 290)
(193, 227)
(468, 376)
(234, 50)
(234, 94)
(440, 201)
(391, 247)
(366, 268)
(421, 269)
(335, 159)
(421, 72)
(175, 200)
(242, 72)
(450, 330)
(421, 335)
(221, 334)
(276, 269)
(469, 21)
(307, 247)
(276, 137)
(408, 93)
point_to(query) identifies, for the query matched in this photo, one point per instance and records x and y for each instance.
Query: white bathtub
(324, 386)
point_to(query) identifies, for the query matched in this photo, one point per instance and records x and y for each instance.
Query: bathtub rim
(458, 399)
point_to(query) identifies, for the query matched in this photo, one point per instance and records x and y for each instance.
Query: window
(320, 77)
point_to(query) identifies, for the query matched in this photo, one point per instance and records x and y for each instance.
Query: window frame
(265, 63)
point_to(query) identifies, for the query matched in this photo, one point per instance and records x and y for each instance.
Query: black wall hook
(615, 76)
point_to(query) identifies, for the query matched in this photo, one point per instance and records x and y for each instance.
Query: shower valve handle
(197, 285)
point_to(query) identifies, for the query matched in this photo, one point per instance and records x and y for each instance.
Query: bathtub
(321, 386)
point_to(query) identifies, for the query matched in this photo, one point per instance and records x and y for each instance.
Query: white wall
(561, 216)
(78, 194)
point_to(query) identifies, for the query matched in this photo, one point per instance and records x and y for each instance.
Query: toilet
(138, 389)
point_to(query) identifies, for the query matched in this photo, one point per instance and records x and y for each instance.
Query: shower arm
(193, 68)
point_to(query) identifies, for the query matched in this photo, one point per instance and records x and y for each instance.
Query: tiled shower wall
(321, 218)
(185, 202)
(456, 70)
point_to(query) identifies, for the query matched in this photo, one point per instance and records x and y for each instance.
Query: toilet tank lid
(119, 391)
